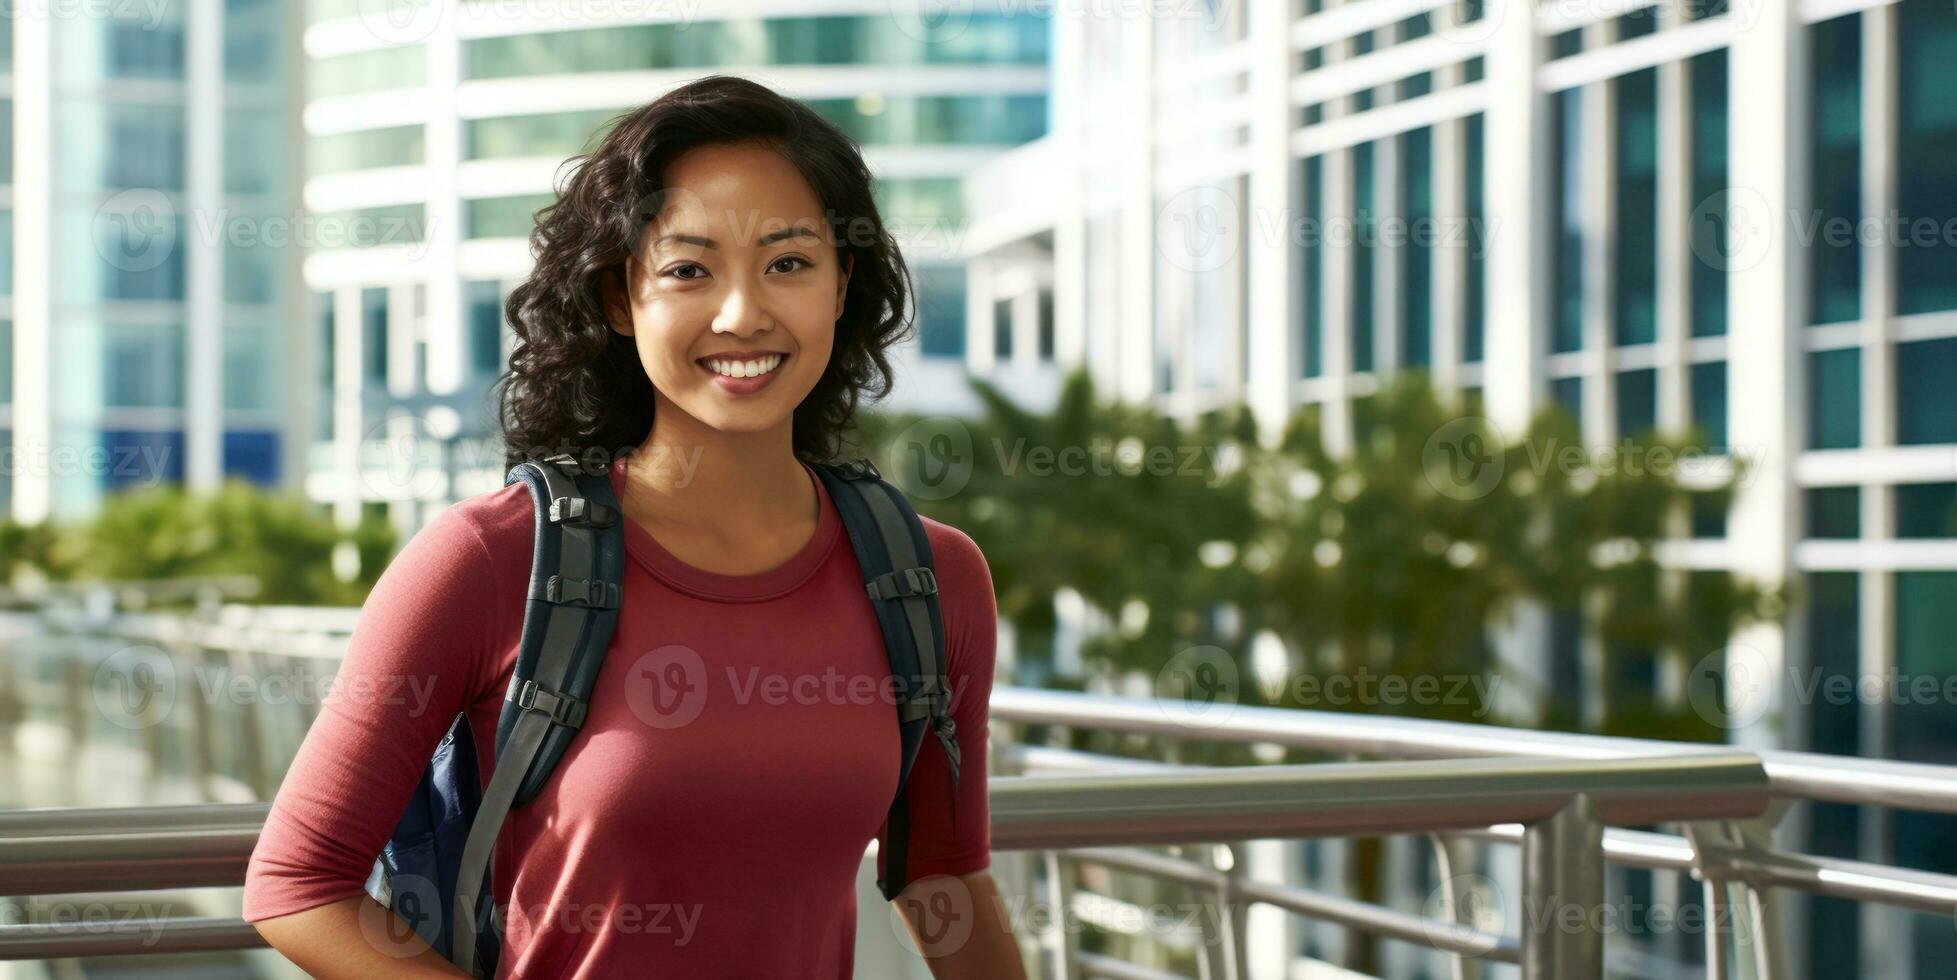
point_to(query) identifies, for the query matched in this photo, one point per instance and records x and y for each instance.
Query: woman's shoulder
(501, 522)
(954, 555)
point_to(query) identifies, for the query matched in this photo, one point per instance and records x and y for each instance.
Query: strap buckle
(562, 708)
(860, 468)
(582, 512)
(903, 582)
(593, 593)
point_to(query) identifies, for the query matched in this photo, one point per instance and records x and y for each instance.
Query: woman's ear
(842, 283)
(618, 308)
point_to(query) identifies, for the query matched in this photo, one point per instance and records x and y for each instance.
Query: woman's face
(739, 262)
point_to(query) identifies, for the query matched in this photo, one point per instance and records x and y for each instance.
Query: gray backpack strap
(575, 590)
(894, 555)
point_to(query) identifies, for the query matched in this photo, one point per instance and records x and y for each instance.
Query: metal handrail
(1795, 775)
(1563, 806)
(1738, 855)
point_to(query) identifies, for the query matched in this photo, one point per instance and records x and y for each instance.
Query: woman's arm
(354, 938)
(424, 646)
(961, 927)
(952, 905)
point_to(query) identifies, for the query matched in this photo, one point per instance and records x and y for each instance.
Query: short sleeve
(422, 647)
(952, 834)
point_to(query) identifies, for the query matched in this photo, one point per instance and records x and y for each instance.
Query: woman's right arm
(351, 938)
(427, 642)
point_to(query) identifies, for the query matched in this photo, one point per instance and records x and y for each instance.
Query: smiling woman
(713, 294)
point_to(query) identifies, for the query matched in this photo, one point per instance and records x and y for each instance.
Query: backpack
(433, 871)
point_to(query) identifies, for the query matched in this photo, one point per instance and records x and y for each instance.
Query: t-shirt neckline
(641, 546)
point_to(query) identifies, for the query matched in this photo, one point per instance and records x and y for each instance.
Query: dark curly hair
(576, 386)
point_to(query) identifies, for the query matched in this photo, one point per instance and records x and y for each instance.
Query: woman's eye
(674, 271)
(793, 258)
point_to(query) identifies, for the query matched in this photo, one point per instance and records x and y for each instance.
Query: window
(1417, 202)
(396, 67)
(253, 456)
(1926, 169)
(1926, 400)
(141, 457)
(142, 365)
(394, 146)
(1835, 399)
(1567, 393)
(1046, 325)
(1636, 260)
(1002, 330)
(373, 338)
(1311, 260)
(485, 303)
(1835, 262)
(1834, 512)
(505, 217)
(1566, 209)
(1707, 76)
(1637, 402)
(1360, 326)
(1708, 391)
(250, 369)
(1926, 510)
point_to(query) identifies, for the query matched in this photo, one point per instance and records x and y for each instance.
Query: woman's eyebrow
(793, 231)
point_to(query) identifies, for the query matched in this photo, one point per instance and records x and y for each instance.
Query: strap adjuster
(562, 708)
(594, 593)
(859, 468)
(903, 582)
(582, 512)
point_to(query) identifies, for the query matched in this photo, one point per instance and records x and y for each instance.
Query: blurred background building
(1734, 216)
(145, 325)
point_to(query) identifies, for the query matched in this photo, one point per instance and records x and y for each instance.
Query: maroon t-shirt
(740, 753)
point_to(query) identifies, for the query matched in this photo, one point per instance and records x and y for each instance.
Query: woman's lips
(744, 386)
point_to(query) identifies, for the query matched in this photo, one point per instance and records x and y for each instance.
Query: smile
(743, 368)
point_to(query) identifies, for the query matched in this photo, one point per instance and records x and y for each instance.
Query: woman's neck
(719, 483)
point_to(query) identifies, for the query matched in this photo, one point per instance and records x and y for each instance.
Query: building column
(1137, 274)
(1767, 315)
(1516, 199)
(33, 137)
(447, 366)
(204, 319)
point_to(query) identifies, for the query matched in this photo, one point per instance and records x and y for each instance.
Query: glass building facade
(1598, 177)
(143, 284)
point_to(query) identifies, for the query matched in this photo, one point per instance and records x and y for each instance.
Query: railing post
(1562, 893)
(1060, 892)
(1456, 902)
(1751, 914)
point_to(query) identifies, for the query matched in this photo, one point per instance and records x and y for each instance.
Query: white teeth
(747, 368)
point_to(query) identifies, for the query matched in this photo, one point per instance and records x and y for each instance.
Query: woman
(713, 291)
